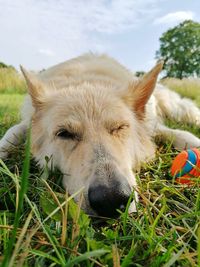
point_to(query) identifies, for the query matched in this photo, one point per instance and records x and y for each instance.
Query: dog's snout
(105, 200)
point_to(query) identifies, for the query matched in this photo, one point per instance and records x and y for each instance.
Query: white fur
(163, 103)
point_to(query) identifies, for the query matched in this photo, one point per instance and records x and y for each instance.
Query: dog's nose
(105, 200)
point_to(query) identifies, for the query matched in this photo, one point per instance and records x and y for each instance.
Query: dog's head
(96, 134)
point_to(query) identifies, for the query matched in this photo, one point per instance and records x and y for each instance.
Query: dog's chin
(90, 212)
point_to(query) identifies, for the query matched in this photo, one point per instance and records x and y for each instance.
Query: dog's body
(96, 122)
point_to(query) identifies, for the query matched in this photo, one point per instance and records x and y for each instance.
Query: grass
(186, 87)
(11, 81)
(41, 226)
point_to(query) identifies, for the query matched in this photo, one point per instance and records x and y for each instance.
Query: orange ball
(186, 166)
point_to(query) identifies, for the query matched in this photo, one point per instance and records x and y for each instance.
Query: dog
(97, 123)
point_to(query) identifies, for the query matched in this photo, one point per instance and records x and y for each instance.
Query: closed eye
(65, 134)
(118, 128)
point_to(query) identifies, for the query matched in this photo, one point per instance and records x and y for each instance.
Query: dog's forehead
(99, 104)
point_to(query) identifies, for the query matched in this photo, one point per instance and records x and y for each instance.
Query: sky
(40, 33)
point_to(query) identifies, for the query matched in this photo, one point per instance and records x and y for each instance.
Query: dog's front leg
(12, 138)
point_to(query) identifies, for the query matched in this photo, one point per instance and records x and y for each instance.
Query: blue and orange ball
(186, 166)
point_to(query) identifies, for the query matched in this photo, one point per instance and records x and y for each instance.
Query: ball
(186, 166)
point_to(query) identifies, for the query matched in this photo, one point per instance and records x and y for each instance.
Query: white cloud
(175, 17)
(118, 15)
(62, 29)
(46, 52)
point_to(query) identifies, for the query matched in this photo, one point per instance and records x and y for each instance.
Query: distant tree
(3, 65)
(139, 73)
(180, 50)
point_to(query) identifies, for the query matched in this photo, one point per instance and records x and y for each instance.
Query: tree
(180, 50)
(4, 66)
(140, 73)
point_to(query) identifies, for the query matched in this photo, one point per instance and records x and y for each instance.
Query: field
(186, 87)
(41, 226)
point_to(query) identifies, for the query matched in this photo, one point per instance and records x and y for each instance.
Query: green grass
(11, 81)
(186, 87)
(41, 226)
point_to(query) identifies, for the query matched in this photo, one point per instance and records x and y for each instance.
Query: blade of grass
(63, 234)
(174, 258)
(116, 257)
(125, 215)
(44, 255)
(22, 192)
(161, 212)
(85, 256)
(20, 239)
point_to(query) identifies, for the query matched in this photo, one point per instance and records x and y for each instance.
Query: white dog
(96, 122)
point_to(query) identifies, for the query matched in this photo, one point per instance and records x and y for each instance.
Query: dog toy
(186, 166)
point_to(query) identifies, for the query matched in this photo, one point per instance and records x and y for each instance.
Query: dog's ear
(139, 92)
(36, 88)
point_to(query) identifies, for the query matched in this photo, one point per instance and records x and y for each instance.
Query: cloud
(118, 15)
(46, 52)
(175, 17)
(63, 29)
